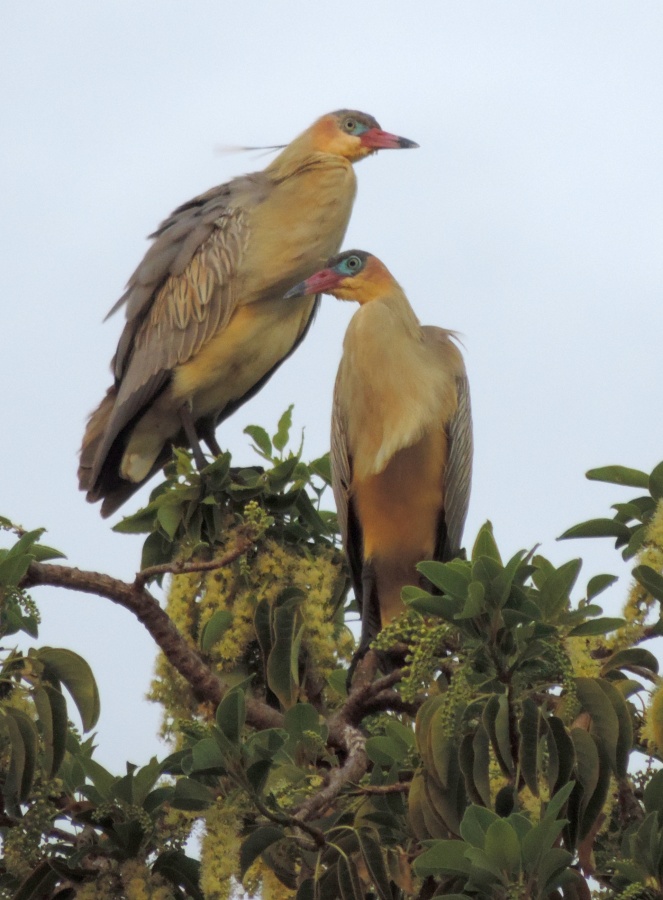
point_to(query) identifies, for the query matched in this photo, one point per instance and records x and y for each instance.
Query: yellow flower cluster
(24, 844)
(580, 650)
(193, 599)
(219, 857)
(652, 732)
(140, 883)
(639, 601)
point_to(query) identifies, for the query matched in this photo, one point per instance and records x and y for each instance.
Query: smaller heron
(401, 442)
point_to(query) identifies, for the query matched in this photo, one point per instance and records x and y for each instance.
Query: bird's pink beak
(320, 283)
(377, 139)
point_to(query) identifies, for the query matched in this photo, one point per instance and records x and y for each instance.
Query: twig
(180, 567)
(400, 787)
(281, 818)
(137, 599)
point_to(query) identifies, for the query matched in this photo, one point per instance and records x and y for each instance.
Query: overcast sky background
(530, 220)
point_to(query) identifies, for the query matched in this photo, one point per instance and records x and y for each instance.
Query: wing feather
(178, 298)
(341, 469)
(458, 476)
(458, 469)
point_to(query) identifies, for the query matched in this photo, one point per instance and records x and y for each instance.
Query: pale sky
(530, 220)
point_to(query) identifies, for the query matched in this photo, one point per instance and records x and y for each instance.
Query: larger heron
(207, 324)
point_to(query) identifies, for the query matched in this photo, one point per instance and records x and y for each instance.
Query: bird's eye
(353, 263)
(350, 124)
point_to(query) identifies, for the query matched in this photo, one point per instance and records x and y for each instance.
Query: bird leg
(190, 431)
(207, 435)
(370, 617)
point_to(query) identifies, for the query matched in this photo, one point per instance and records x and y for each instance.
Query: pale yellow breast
(297, 229)
(393, 388)
(255, 339)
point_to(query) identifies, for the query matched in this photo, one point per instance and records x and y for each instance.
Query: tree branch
(180, 567)
(206, 686)
(351, 771)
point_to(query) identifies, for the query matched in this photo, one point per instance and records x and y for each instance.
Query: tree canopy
(501, 740)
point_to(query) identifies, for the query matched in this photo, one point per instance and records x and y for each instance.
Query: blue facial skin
(352, 126)
(350, 266)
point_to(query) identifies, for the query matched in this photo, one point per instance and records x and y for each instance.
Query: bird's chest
(392, 392)
(298, 227)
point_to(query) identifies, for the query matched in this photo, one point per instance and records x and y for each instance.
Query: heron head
(353, 275)
(353, 135)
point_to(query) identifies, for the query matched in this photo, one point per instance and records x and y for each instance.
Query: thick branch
(350, 772)
(138, 600)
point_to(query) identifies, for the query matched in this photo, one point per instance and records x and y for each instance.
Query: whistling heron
(207, 324)
(401, 445)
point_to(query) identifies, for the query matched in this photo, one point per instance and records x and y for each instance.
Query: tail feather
(94, 434)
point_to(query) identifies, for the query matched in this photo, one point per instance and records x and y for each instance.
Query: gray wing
(458, 477)
(341, 469)
(460, 448)
(180, 295)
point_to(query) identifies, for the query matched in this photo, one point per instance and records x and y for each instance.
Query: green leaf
(619, 475)
(169, 516)
(476, 822)
(322, 468)
(598, 583)
(503, 847)
(443, 857)
(557, 801)
(231, 715)
(655, 482)
(206, 755)
(485, 544)
(384, 751)
(215, 628)
(653, 794)
(282, 676)
(301, 718)
(596, 626)
(650, 580)
(587, 765)
(101, 778)
(481, 763)
(13, 569)
(52, 711)
(556, 589)
(529, 744)
(42, 553)
(632, 659)
(625, 731)
(23, 758)
(374, 862)
(453, 577)
(73, 671)
(261, 439)
(191, 795)
(496, 721)
(551, 865)
(144, 780)
(349, 883)
(280, 439)
(597, 528)
(180, 870)
(39, 883)
(254, 845)
(605, 724)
